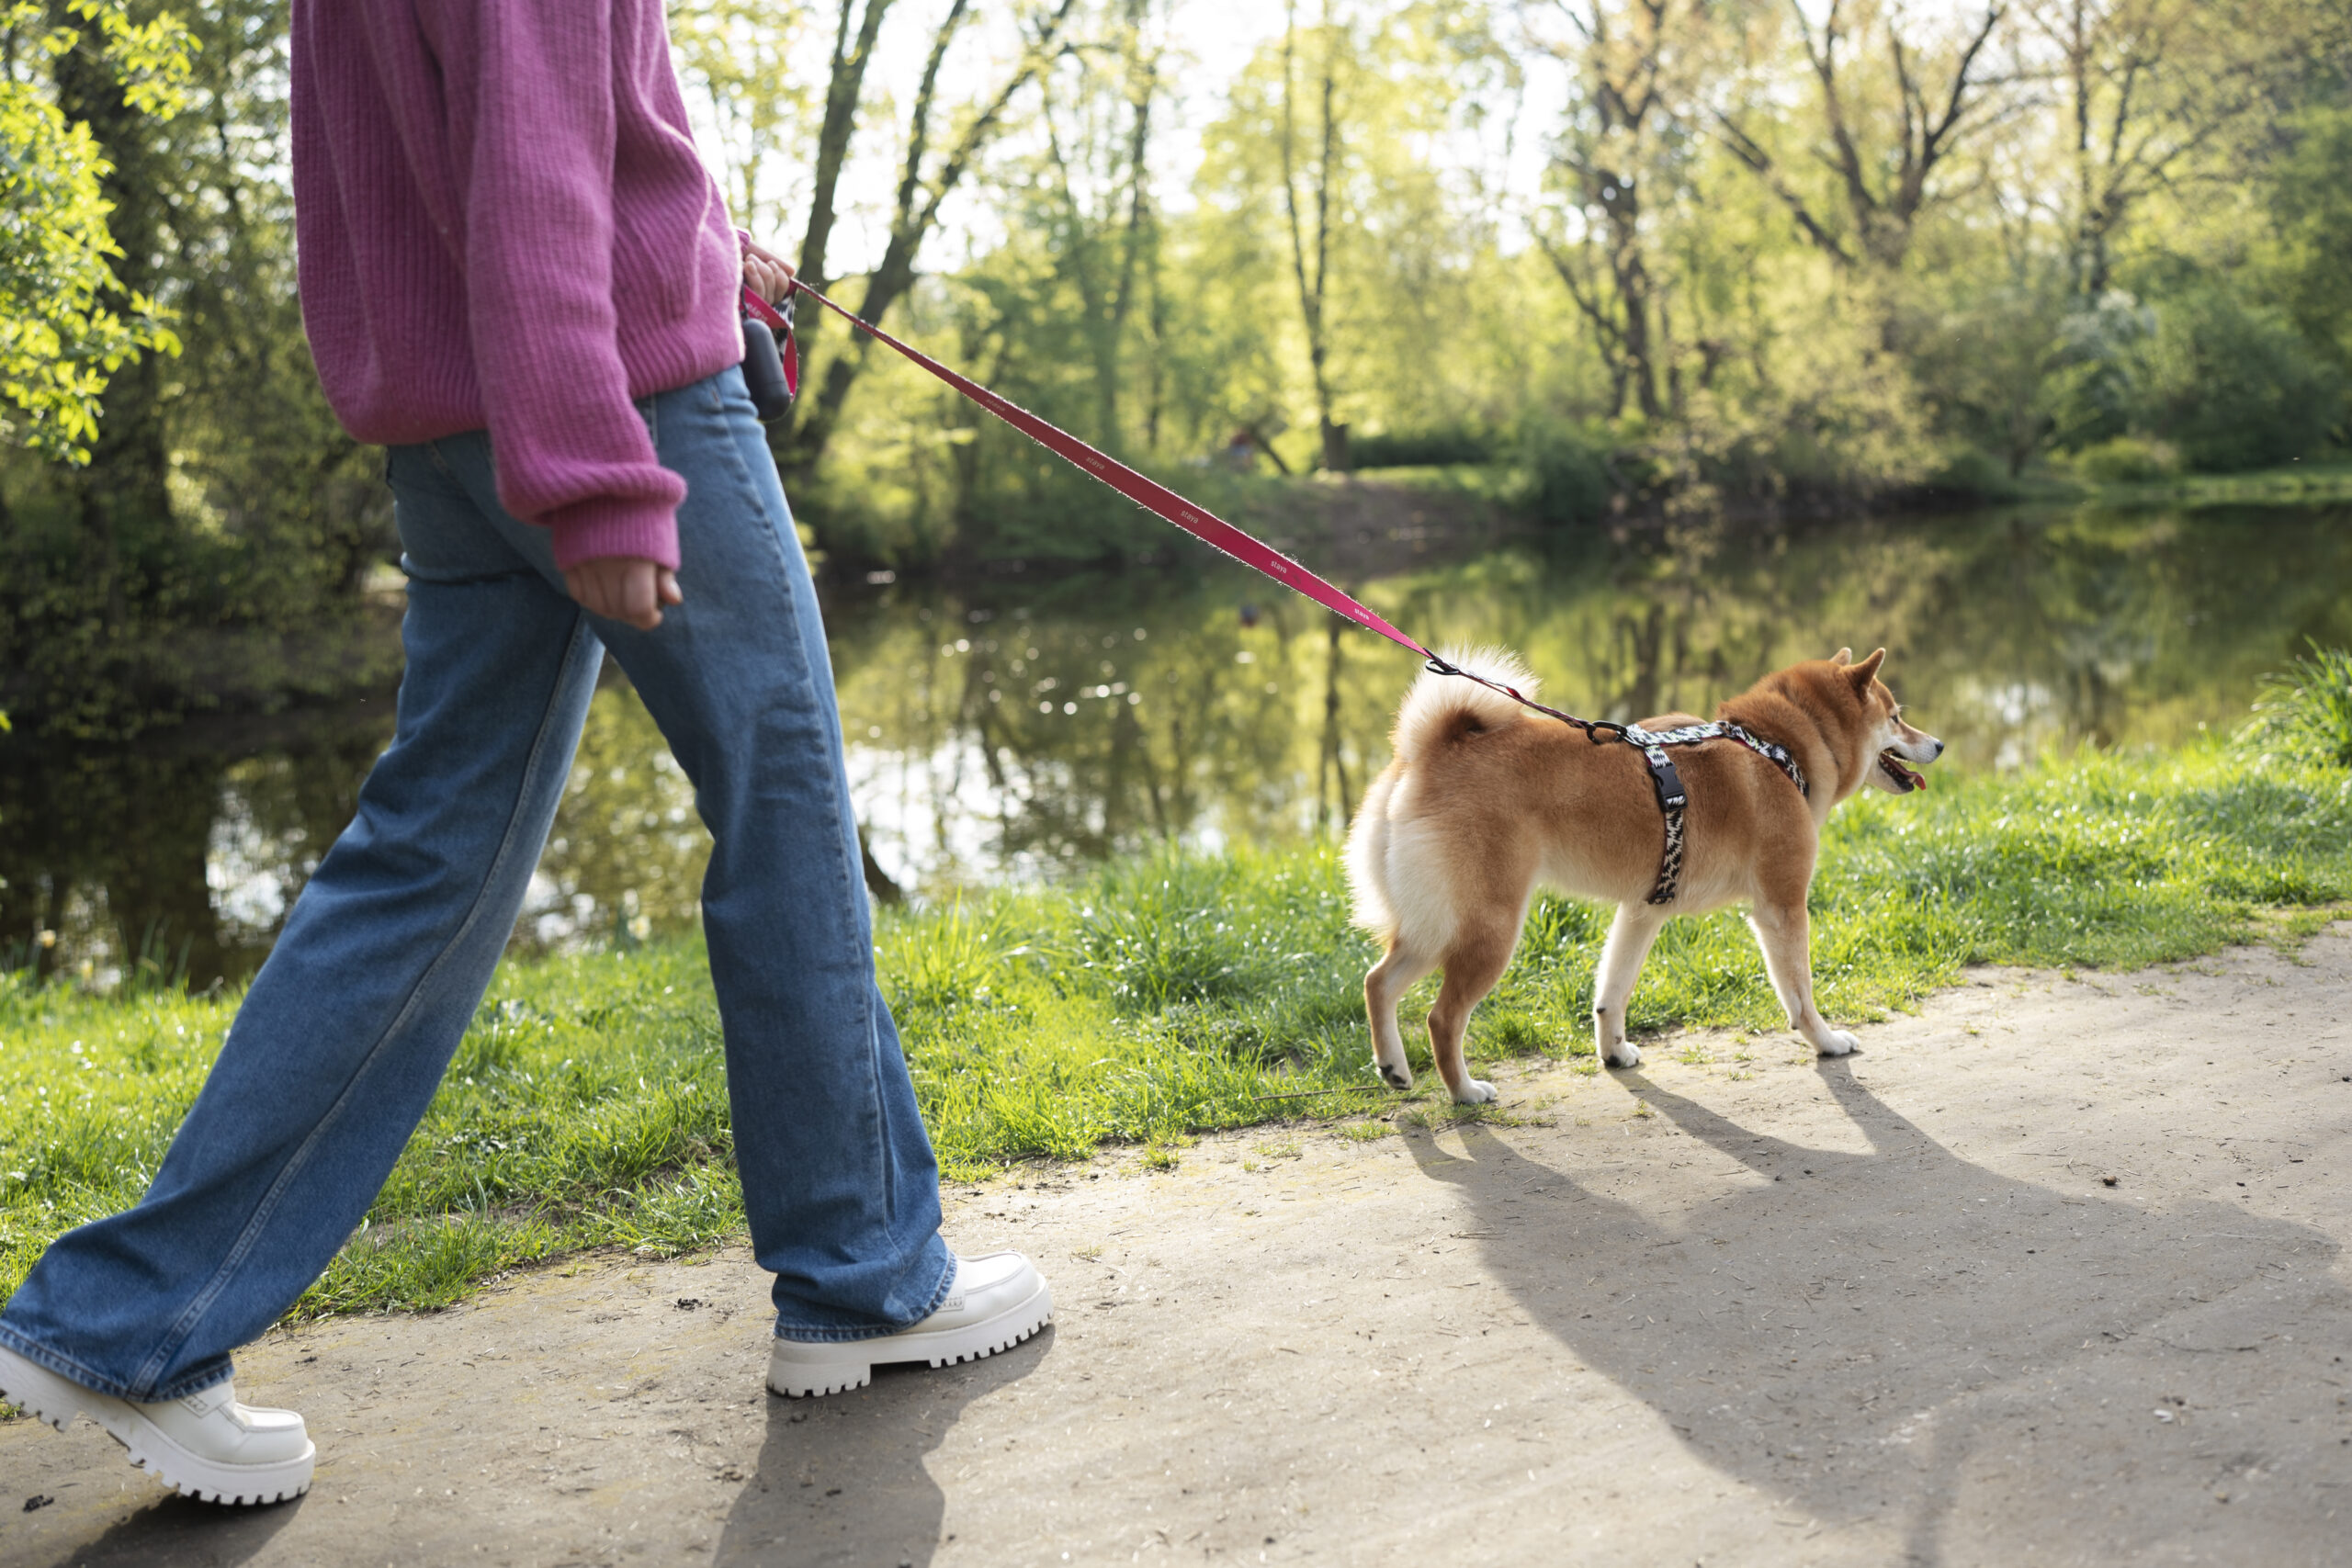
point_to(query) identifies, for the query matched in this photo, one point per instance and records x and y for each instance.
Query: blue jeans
(349, 1026)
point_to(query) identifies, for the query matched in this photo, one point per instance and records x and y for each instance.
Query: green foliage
(213, 554)
(2126, 459)
(1570, 469)
(1164, 996)
(2303, 270)
(1423, 448)
(2306, 709)
(1992, 364)
(2234, 386)
(65, 326)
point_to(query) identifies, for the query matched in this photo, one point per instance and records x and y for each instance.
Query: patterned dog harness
(1671, 800)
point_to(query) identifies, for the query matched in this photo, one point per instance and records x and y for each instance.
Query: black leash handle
(764, 374)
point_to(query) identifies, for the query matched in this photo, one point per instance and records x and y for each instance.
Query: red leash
(1165, 504)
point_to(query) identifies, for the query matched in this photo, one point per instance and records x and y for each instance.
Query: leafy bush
(2311, 211)
(2306, 708)
(1568, 471)
(1421, 448)
(2232, 386)
(2126, 459)
(2094, 391)
(1972, 472)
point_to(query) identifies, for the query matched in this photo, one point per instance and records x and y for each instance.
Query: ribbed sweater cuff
(613, 525)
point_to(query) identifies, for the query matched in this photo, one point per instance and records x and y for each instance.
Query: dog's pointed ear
(1844, 656)
(1862, 674)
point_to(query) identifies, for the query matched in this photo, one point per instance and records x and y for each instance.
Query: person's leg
(346, 1031)
(840, 1184)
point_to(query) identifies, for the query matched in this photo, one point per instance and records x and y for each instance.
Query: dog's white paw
(1624, 1053)
(1396, 1074)
(1476, 1091)
(1837, 1042)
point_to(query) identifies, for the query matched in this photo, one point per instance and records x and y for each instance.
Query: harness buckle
(1670, 797)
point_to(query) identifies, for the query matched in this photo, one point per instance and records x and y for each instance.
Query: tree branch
(1934, 144)
(1745, 148)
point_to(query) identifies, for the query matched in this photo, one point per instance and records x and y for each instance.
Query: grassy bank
(587, 1103)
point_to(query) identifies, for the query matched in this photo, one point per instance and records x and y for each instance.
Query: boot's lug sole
(58, 1400)
(812, 1368)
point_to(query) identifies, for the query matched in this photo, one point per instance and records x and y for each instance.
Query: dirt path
(1876, 1312)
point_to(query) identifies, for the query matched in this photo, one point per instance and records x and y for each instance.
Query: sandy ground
(2052, 1274)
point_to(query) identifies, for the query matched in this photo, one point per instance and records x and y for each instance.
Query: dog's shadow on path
(844, 1479)
(1837, 1328)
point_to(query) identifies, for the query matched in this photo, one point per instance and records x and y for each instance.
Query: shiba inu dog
(1483, 801)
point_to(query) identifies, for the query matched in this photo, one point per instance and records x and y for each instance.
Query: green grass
(2306, 708)
(1160, 998)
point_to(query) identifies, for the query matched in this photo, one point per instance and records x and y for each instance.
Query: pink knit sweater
(500, 223)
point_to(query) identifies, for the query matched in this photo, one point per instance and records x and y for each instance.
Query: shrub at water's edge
(586, 1104)
(2306, 708)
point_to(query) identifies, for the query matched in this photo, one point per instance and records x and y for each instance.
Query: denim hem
(73, 1371)
(804, 1336)
(64, 1366)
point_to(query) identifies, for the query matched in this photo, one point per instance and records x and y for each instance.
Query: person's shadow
(175, 1532)
(843, 1480)
(1834, 1327)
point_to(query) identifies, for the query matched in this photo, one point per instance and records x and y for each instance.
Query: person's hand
(768, 275)
(622, 588)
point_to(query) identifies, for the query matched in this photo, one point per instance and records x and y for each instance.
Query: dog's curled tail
(1444, 708)
(1440, 710)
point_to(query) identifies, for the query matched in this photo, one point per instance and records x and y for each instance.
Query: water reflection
(1013, 731)
(1016, 730)
(187, 852)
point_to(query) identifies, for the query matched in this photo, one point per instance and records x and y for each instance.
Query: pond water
(1015, 729)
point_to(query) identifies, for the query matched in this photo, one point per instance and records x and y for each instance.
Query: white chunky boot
(995, 1303)
(205, 1444)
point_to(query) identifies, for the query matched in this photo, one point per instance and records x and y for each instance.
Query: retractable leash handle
(771, 358)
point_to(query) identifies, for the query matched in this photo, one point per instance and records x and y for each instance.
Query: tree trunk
(1311, 283)
(917, 215)
(1632, 274)
(1106, 284)
(844, 90)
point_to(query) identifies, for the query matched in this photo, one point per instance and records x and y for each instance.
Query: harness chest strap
(1671, 798)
